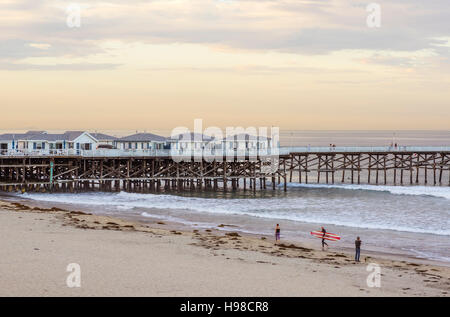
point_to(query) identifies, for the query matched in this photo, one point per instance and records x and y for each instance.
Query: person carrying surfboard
(323, 238)
(277, 233)
(324, 235)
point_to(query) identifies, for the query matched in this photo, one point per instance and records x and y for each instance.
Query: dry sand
(122, 258)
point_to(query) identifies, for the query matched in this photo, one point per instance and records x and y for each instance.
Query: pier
(375, 165)
(159, 170)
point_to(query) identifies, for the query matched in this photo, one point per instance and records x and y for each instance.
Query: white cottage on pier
(142, 141)
(41, 140)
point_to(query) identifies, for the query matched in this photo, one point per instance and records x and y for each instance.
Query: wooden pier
(162, 173)
(74, 174)
(377, 168)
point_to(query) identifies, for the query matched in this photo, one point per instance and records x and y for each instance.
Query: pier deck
(155, 170)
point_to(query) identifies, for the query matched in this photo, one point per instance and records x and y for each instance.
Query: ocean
(364, 138)
(413, 221)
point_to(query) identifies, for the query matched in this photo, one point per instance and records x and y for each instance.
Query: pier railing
(362, 149)
(221, 152)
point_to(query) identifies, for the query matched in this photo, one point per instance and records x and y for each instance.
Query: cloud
(303, 27)
(253, 69)
(58, 67)
(41, 46)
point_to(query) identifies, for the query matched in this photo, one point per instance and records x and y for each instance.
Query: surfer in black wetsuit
(323, 238)
(277, 233)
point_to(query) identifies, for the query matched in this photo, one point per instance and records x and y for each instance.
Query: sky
(294, 64)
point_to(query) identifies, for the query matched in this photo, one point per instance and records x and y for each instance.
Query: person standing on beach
(277, 233)
(357, 249)
(323, 238)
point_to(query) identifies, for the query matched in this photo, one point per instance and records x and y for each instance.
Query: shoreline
(214, 224)
(401, 276)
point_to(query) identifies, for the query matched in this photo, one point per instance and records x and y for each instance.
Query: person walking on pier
(323, 238)
(357, 249)
(277, 233)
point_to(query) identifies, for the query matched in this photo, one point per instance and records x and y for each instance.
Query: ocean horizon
(289, 137)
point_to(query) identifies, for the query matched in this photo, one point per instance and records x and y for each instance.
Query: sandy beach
(123, 258)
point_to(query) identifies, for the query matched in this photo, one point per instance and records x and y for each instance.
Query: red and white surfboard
(328, 235)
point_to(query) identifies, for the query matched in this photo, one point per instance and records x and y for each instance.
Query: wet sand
(126, 258)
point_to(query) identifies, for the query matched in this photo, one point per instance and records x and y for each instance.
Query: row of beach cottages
(83, 140)
(41, 140)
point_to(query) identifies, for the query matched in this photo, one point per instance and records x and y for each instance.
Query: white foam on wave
(442, 192)
(428, 255)
(323, 210)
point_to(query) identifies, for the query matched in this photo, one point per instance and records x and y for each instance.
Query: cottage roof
(102, 136)
(191, 136)
(143, 137)
(42, 136)
(10, 136)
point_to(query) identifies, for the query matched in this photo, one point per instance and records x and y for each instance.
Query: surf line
(197, 307)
